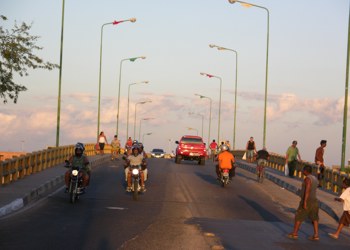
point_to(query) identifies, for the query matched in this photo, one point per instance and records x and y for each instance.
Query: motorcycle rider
(80, 160)
(226, 160)
(144, 165)
(135, 159)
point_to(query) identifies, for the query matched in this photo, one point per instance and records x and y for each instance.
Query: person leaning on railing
(319, 161)
(292, 156)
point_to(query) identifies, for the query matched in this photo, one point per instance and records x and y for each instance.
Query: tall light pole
(144, 119)
(345, 115)
(212, 76)
(127, 119)
(99, 75)
(192, 113)
(135, 115)
(245, 4)
(59, 83)
(189, 128)
(202, 96)
(131, 59)
(143, 136)
(235, 108)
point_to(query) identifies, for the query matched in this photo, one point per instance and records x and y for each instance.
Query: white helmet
(224, 148)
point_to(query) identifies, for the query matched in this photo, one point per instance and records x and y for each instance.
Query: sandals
(314, 238)
(333, 236)
(292, 236)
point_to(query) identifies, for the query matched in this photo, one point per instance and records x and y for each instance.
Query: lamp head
(212, 45)
(132, 19)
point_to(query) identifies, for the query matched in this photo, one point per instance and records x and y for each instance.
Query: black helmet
(80, 146)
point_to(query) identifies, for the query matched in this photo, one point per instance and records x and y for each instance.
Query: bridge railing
(25, 165)
(332, 180)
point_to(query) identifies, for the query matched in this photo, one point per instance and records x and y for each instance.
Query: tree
(16, 56)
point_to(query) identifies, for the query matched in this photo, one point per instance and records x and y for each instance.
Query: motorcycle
(225, 177)
(75, 188)
(135, 181)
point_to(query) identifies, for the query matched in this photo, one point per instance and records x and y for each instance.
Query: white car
(157, 153)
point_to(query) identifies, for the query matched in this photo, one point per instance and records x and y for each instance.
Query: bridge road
(184, 208)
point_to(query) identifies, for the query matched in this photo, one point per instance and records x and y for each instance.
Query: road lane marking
(116, 208)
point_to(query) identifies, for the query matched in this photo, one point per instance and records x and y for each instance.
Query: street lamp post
(235, 108)
(202, 96)
(143, 136)
(99, 76)
(127, 120)
(135, 115)
(211, 76)
(192, 113)
(245, 4)
(131, 59)
(189, 128)
(345, 115)
(59, 83)
(144, 119)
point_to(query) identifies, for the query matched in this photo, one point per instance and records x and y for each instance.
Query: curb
(40, 191)
(290, 188)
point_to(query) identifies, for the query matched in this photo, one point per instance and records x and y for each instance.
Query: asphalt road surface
(184, 208)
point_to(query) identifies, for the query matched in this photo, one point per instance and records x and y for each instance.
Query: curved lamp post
(345, 115)
(59, 82)
(135, 115)
(245, 4)
(202, 96)
(211, 76)
(127, 119)
(99, 76)
(192, 113)
(144, 119)
(143, 137)
(235, 108)
(131, 59)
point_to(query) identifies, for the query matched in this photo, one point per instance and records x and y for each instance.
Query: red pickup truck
(191, 148)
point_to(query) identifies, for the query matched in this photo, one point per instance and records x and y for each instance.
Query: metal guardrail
(332, 180)
(19, 167)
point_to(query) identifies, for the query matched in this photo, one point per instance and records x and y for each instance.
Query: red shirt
(213, 145)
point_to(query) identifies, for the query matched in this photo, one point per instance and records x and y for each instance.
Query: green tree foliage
(16, 57)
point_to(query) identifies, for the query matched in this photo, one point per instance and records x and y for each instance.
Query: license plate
(194, 154)
(225, 174)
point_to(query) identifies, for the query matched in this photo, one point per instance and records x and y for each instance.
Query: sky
(305, 87)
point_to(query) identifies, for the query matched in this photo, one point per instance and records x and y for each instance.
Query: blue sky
(307, 67)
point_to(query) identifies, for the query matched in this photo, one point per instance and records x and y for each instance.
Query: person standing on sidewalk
(292, 156)
(319, 161)
(308, 206)
(251, 149)
(102, 141)
(345, 218)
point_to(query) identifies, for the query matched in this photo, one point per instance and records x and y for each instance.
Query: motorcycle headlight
(75, 172)
(135, 171)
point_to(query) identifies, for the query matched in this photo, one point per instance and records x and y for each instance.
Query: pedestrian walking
(308, 206)
(102, 141)
(319, 161)
(292, 156)
(345, 218)
(251, 149)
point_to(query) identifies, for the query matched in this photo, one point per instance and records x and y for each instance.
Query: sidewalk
(326, 198)
(20, 193)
